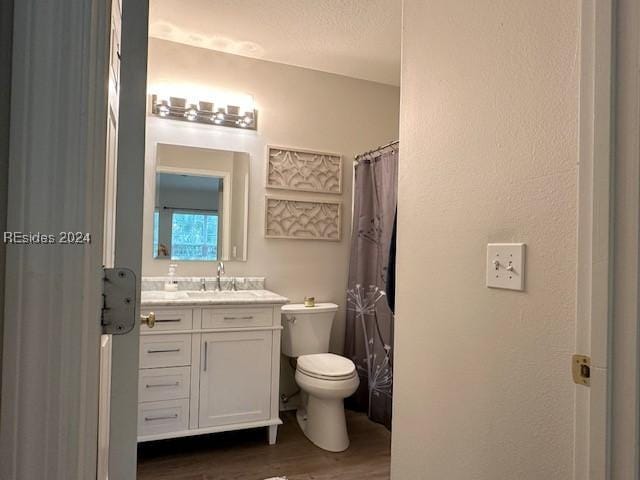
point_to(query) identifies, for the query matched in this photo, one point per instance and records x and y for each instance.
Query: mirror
(201, 204)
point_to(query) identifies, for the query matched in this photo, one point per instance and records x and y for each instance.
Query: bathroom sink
(163, 295)
(219, 294)
(195, 297)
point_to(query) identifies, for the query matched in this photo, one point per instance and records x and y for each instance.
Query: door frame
(595, 222)
(607, 414)
(227, 190)
(624, 409)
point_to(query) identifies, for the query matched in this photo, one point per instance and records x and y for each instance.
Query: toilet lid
(301, 308)
(326, 365)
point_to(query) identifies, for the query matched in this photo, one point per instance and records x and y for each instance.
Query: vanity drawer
(237, 317)
(165, 350)
(163, 417)
(163, 383)
(169, 319)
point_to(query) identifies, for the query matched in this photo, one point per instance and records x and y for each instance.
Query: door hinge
(118, 301)
(581, 369)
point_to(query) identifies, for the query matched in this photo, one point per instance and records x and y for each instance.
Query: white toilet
(325, 379)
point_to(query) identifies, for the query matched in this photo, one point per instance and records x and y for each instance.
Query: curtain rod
(169, 207)
(381, 147)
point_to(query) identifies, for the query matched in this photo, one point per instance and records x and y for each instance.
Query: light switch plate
(505, 265)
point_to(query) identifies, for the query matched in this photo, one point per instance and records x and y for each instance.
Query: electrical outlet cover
(505, 265)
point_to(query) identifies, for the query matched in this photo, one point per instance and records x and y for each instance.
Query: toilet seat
(326, 366)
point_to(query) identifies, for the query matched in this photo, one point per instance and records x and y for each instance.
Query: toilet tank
(307, 330)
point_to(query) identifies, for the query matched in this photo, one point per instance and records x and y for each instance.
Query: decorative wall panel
(304, 170)
(302, 219)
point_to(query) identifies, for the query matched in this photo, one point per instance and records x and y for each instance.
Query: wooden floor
(245, 455)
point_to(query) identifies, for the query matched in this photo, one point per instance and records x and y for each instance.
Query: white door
(242, 362)
(63, 177)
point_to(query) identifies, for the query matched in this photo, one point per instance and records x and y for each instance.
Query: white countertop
(210, 297)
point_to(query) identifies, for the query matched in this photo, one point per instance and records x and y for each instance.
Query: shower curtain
(369, 330)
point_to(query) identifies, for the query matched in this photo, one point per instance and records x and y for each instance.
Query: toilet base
(322, 417)
(301, 416)
(323, 422)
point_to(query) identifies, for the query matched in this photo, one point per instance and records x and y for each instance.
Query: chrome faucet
(220, 272)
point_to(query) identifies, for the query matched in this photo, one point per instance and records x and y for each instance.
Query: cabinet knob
(148, 320)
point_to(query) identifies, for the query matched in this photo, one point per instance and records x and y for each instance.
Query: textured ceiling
(356, 38)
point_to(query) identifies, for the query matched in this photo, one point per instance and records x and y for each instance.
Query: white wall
(296, 107)
(489, 141)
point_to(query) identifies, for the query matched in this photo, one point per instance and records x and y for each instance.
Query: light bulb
(191, 114)
(163, 108)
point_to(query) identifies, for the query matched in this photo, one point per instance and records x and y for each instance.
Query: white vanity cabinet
(241, 361)
(209, 368)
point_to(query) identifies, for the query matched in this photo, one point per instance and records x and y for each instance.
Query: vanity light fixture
(217, 112)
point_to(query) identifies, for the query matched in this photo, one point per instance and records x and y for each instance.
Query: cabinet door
(235, 378)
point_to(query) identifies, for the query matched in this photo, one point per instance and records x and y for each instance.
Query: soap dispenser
(171, 284)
